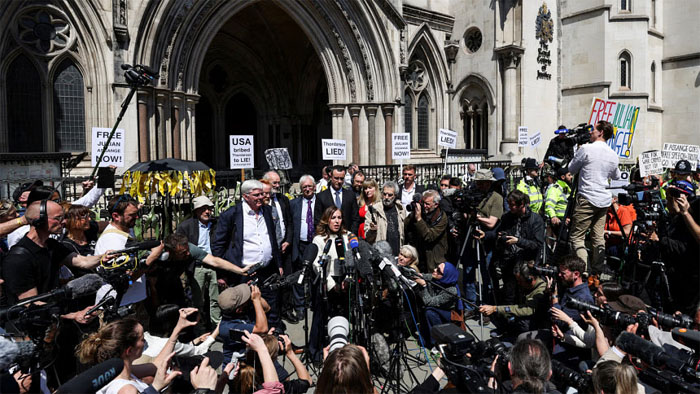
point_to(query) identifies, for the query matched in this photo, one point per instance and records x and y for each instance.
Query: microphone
(363, 264)
(94, 378)
(383, 249)
(561, 131)
(355, 247)
(326, 249)
(309, 256)
(372, 212)
(690, 338)
(13, 352)
(340, 250)
(652, 354)
(85, 285)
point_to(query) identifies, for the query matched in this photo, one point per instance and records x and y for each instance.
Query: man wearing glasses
(245, 235)
(385, 219)
(303, 231)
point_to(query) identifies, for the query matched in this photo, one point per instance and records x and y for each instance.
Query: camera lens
(338, 328)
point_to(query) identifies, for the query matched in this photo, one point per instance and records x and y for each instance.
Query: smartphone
(236, 335)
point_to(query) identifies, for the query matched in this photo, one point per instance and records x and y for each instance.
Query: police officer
(557, 197)
(529, 185)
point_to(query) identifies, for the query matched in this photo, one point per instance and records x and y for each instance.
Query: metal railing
(428, 173)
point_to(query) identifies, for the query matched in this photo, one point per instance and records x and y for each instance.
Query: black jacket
(286, 216)
(529, 229)
(190, 229)
(561, 148)
(351, 211)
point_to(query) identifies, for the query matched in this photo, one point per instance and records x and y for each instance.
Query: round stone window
(472, 40)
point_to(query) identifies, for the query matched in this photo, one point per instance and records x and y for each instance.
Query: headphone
(43, 218)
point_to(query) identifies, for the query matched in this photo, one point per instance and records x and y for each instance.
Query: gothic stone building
(291, 72)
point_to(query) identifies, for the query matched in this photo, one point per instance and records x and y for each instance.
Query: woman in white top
(124, 339)
(330, 228)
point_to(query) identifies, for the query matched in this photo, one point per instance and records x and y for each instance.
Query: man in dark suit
(303, 233)
(245, 235)
(342, 198)
(280, 202)
(409, 187)
(199, 230)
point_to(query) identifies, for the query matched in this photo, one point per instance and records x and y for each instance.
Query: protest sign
(447, 138)
(522, 136)
(278, 159)
(242, 151)
(114, 156)
(672, 153)
(400, 146)
(623, 117)
(334, 149)
(650, 163)
(535, 139)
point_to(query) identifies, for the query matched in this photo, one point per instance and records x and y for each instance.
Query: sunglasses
(122, 198)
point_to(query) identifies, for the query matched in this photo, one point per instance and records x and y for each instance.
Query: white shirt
(333, 268)
(407, 195)
(114, 386)
(278, 207)
(204, 241)
(304, 234)
(339, 193)
(256, 240)
(117, 241)
(156, 344)
(597, 163)
(321, 184)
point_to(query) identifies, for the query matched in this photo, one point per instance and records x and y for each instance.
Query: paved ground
(417, 365)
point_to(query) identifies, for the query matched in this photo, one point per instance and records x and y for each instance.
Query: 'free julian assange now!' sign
(114, 155)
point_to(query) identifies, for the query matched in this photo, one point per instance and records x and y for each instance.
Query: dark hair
(516, 197)
(613, 377)
(337, 168)
(73, 215)
(573, 263)
(455, 181)
(322, 226)
(118, 203)
(561, 127)
(531, 364)
(523, 269)
(409, 167)
(166, 318)
(174, 240)
(109, 342)
(606, 127)
(358, 172)
(446, 178)
(345, 371)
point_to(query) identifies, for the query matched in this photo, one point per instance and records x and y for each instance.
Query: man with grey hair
(426, 229)
(303, 231)
(385, 219)
(468, 177)
(245, 235)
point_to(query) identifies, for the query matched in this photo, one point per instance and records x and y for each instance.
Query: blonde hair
(110, 341)
(613, 377)
(369, 183)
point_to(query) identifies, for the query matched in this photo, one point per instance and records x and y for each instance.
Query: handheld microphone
(355, 247)
(373, 212)
(690, 338)
(94, 378)
(309, 256)
(340, 250)
(326, 249)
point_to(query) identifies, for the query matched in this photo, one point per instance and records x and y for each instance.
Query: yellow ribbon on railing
(141, 185)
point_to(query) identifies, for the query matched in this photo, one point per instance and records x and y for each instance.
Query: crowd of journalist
(582, 286)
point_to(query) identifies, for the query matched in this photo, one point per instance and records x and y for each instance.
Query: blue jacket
(227, 242)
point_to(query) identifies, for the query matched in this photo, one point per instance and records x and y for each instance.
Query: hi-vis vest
(556, 200)
(533, 192)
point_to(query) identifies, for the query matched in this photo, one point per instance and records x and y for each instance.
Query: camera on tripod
(646, 200)
(466, 200)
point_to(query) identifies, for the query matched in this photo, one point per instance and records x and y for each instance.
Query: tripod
(478, 274)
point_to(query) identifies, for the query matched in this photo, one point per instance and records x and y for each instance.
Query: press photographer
(519, 236)
(242, 309)
(426, 229)
(561, 148)
(595, 163)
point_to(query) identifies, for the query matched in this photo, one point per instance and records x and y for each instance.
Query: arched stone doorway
(262, 76)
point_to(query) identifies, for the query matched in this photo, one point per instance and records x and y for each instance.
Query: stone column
(371, 111)
(164, 138)
(144, 132)
(191, 131)
(355, 116)
(510, 57)
(388, 110)
(337, 112)
(177, 132)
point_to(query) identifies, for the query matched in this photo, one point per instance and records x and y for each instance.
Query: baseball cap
(234, 297)
(202, 201)
(498, 173)
(484, 174)
(530, 163)
(682, 167)
(628, 304)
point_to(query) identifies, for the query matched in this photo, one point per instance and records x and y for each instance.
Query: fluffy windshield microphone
(13, 352)
(94, 378)
(85, 285)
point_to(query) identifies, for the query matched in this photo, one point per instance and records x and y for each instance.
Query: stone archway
(263, 77)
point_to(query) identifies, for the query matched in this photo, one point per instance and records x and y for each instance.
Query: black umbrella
(169, 164)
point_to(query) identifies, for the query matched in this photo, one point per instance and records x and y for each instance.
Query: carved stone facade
(293, 72)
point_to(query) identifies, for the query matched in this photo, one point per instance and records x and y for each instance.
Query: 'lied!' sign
(447, 138)
(334, 149)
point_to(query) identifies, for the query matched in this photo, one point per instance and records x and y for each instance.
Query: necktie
(337, 199)
(309, 223)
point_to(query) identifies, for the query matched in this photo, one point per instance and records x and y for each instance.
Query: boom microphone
(13, 352)
(136, 246)
(94, 378)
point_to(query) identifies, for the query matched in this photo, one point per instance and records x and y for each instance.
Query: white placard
(672, 153)
(447, 138)
(241, 151)
(535, 139)
(278, 158)
(522, 136)
(115, 153)
(400, 146)
(334, 149)
(650, 163)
